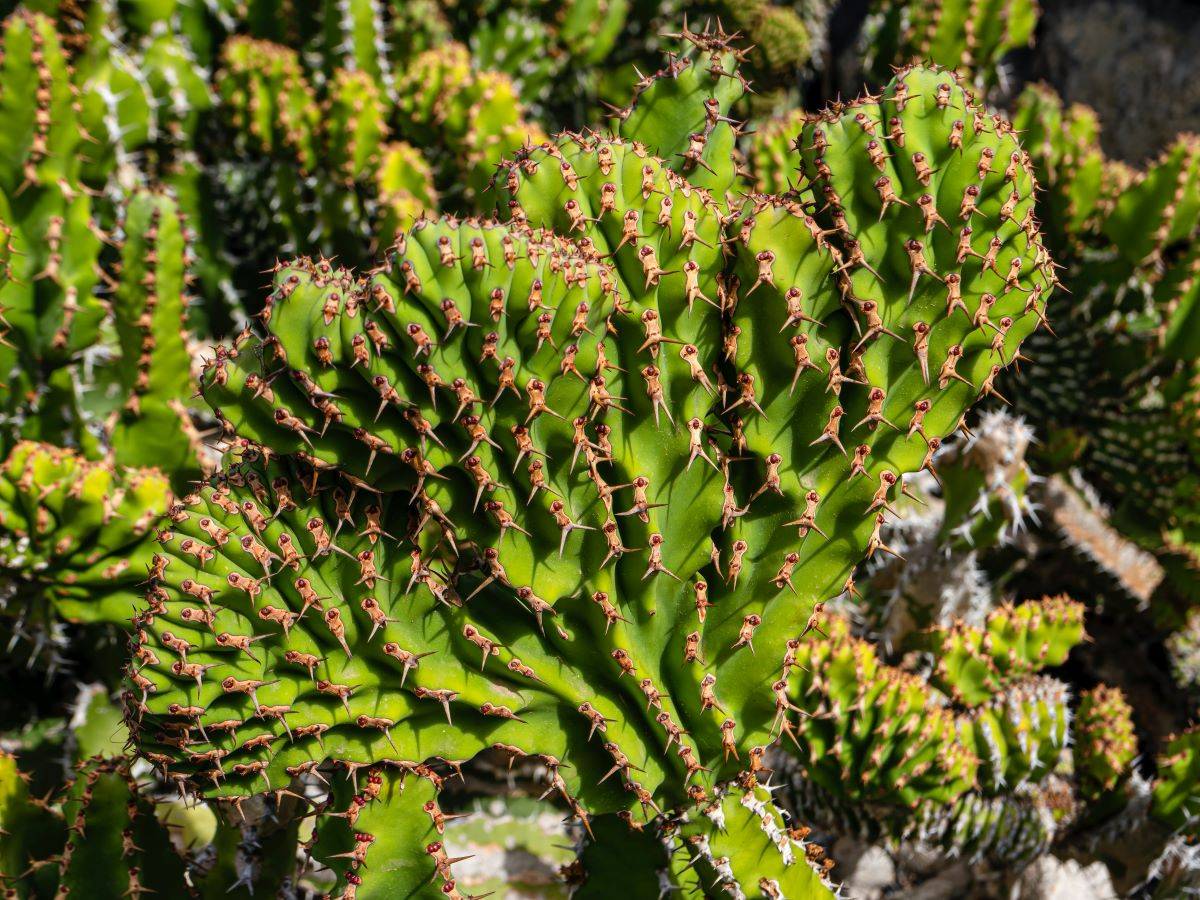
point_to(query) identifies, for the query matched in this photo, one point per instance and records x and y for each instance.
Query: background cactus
(974, 34)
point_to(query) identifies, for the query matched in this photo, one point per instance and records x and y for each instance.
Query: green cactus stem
(973, 35)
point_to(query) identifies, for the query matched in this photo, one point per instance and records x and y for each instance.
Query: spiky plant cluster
(1119, 397)
(666, 482)
(328, 166)
(550, 446)
(86, 314)
(885, 751)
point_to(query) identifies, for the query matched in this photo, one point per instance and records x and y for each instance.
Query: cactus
(476, 115)
(875, 742)
(1175, 790)
(74, 534)
(55, 354)
(625, 415)
(1010, 829)
(974, 34)
(367, 483)
(1105, 745)
(1021, 734)
(772, 152)
(48, 296)
(984, 482)
(973, 664)
(527, 48)
(1080, 182)
(153, 360)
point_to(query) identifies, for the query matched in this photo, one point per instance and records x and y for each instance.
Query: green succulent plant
(1105, 744)
(972, 34)
(75, 535)
(512, 440)
(66, 347)
(975, 663)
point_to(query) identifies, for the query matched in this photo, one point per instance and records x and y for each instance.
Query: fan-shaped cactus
(585, 428)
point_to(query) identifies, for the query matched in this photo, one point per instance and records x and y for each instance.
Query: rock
(1050, 878)
(867, 871)
(1133, 62)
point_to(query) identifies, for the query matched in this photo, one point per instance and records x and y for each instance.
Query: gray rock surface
(1133, 61)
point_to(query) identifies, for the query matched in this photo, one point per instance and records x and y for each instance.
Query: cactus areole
(576, 482)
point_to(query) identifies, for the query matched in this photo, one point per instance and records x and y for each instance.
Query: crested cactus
(667, 482)
(516, 438)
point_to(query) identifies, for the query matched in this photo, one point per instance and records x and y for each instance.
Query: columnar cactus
(152, 365)
(569, 429)
(475, 115)
(1176, 801)
(111, 846)
(1118, 396)
(48, 296)
(55, 357)
(772, 152)
(972, 33)
(1105, 745)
